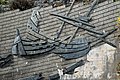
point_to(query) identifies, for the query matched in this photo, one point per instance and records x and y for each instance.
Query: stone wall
(104, 17)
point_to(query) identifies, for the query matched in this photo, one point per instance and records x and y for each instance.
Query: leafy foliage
(118, 20)
(3, 2)
(21, 4)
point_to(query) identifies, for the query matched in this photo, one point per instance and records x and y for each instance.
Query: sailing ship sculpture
(25, 47)
(42, 44)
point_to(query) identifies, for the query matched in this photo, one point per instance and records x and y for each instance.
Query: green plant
(21, 4)
(118, 22)
(3, 2)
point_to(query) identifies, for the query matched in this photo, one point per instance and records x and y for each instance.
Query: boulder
(100, 65)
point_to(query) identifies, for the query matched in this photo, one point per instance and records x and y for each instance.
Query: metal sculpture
(24, 47)
(84, 21)
(75, 20)
(84, 28)
(75, 49)
(68, 70)
(70, 21)
(5, 59)
(39, 43)
(85, 18)
(18, 45)
(43, 44)
(78, 45)
(34, 20)
(34, 77)
(61, 27)
(102, 37)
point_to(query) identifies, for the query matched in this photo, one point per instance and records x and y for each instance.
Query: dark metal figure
(86, 18)
(67, 70)
(18, 45)
(61, 27)
(5, 59)
(95, 2)
(92, 31)
(102, 37)
(42, 44)
(75, 20)
(33, 21)
(34, 77)
(24, 47)
(82, 19)
(78, 46)
(81, 27)
(75, 49)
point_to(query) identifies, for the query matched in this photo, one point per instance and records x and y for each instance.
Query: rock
(100, 66)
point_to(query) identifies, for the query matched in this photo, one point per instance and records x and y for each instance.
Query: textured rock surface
(100, 65)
